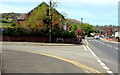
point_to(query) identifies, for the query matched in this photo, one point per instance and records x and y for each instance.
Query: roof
(43, 3)
(38, 6)
(74, 20)
(22, 17)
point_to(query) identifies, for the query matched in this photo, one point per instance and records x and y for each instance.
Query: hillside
(101, 28)
(73, 21)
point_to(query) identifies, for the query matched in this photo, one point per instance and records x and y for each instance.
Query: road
(24, 62)
(17, 54)
(106, 51)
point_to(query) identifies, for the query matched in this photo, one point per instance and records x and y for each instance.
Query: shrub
(37, 32)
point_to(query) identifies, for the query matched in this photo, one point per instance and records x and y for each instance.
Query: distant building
(21, 19)
(117, 34)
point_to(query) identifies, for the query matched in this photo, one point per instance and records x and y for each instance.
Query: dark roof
(38, 6)
(43, 3)
(22, 17)
(73, 20)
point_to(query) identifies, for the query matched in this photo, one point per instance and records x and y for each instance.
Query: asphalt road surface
(24, 62)
(25, 57)
(76, 53)
(107, 52)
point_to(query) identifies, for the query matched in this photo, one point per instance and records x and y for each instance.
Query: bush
(14, 32)
(60, 33)
(56, 32)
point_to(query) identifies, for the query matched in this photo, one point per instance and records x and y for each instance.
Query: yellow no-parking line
(91, 70)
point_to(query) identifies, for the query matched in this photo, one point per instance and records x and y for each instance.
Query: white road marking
(105, 67)
(109, 45)
(103, 43)
(109, 71)
(91, 51)
(86, 41)
(116, 48)
(101, 63)
(85, 47)
(99, 60)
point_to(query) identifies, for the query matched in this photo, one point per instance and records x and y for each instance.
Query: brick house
(24, 18)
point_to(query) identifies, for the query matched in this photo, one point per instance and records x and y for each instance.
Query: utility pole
(50, 22)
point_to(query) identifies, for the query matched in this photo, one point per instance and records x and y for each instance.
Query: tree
(87, 28)
(80, 32)
(73, 24)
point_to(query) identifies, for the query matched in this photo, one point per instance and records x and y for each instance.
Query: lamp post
(50, 21)
(81, 21)
(81, 25)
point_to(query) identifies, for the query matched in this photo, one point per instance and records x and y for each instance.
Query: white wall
(117, 34)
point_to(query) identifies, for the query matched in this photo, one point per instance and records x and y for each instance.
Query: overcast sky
(95, 12)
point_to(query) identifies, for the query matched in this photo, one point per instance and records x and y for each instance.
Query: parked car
(96, 37)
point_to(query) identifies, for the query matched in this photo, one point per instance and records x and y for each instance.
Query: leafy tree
(79, 31)
(87, 28)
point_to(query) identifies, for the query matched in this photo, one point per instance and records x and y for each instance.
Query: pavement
(40, 44)
(109, 41)
(79, 55)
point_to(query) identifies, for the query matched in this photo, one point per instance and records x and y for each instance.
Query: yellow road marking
(70, 61)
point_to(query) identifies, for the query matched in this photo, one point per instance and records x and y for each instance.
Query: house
(39, 17)
(117, 34)
(21, 19)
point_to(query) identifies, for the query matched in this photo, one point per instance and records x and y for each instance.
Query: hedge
(56, 32)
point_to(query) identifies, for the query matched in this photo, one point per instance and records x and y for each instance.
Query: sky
(95, 12)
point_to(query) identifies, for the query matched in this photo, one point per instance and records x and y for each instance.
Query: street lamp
(81, 21)
(81, 25)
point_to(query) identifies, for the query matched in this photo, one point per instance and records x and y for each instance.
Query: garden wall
(40, 39)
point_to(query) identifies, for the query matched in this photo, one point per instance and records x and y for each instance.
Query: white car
(96, 37)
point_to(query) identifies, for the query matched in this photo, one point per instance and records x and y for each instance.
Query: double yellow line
(70, 61)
